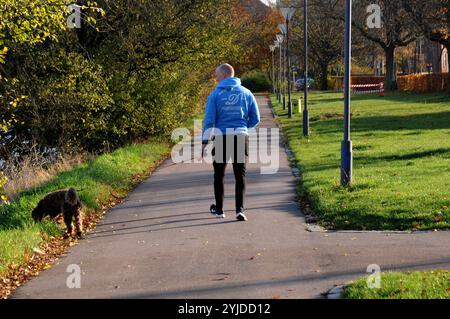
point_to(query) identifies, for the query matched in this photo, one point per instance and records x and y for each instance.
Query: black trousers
(234, 148)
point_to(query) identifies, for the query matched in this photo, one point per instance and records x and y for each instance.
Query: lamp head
(280, 38)
(287, 12)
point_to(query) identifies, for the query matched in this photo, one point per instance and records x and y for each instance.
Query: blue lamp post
(277, 84)
(346, 148)
(287, 13)
(305, 83)
(282, 28)
(272, 49)
(280, 44)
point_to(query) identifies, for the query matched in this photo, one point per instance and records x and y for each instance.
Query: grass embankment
(114, 173)
(401, 160)
(409, 285)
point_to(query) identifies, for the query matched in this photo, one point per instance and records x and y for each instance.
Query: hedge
(421, 83)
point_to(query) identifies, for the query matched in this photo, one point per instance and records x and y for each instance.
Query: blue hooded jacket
(230, 106)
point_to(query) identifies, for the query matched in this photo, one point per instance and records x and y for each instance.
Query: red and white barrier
(368, 88)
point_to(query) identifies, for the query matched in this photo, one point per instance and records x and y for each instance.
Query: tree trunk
(447, 46)
(324, 77)
(391, 76)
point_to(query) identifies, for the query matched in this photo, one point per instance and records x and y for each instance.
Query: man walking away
(231, 110)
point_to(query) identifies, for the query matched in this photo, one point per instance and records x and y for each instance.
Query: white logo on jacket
(233, 99)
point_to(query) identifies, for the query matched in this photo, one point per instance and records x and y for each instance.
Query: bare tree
(326, 39)
(396, 31)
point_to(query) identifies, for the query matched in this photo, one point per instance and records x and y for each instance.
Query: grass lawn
(116, 172)
(408, 285)
(401, 160)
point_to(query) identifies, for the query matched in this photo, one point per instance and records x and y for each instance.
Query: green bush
(257, 81)
(67, 107)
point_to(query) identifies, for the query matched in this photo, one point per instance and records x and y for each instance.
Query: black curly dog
(66, 202)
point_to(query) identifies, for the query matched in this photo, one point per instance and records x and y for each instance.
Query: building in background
(429, 57)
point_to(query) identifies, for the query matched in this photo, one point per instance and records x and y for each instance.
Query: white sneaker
(241, 217)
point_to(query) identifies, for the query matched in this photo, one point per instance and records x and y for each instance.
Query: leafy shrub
(69, 106)
(2, 192)
(257, 81)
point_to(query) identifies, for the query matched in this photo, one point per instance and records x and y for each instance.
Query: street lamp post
(346, 147)
(305, 84)
(272, 49)
(287, 13)
(277, 84)
(280, 44)
(282, 28)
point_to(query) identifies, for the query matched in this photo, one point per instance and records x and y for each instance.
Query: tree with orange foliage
(257, 25)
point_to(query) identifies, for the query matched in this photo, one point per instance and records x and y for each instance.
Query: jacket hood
(229, 83)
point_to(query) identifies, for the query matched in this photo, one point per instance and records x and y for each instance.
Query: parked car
(300, 84)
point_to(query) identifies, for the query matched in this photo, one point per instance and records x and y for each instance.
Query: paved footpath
(162, 243)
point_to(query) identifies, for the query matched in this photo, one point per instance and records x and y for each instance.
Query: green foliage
(257, 81)
(24, 21)
(27, 25)
(30, 21)
(3, 181)
(66, 107)
(140, 71)
(401, 159)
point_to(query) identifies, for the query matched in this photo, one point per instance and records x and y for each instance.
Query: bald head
(224, 71)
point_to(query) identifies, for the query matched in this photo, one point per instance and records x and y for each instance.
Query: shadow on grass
(394, 219)
(369, 160)
(402, 157)
(429, 121)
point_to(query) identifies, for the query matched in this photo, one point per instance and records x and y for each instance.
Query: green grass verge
(95, 181)
(401, 160)
(408, 285)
